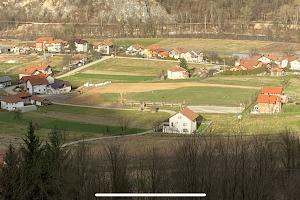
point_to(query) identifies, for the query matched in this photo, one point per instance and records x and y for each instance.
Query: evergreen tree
(183, 64)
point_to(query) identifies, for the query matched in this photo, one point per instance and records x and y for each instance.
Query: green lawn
(196, 96)
(80, 78)
(126, 42)
(136, 66)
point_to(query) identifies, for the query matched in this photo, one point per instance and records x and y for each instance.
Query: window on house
(185, 130)
(172, 124)
(179, 117)
(184, 124)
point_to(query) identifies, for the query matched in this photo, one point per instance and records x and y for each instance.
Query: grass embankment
(129, 41)
(196, 96)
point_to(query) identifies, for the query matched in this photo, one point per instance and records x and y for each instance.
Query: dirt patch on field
(87, 119)
(91, 97)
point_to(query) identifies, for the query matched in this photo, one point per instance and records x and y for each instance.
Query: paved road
(82, 67)
(215, 109)
(9, 89)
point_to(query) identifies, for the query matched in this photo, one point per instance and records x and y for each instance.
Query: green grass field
(80, 78)
(129, 41)
(136, 66)
(196, 96)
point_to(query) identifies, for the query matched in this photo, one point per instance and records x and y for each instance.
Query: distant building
(177, 72)
(81, 45)
(5, 81)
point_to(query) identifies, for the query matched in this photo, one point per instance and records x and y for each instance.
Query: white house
(178, 53)
(269, 59)
(135, 50)
(286, 59)
(5, 81)
(185, 121)
(37, 86)
(81, 45)
(11, 102)
(57, 46)
(177, 72)
(295, 64)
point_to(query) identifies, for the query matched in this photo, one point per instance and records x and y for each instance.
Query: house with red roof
(40, 101)
(177, 72)
(105, 47)
(152, 51)
(286, 59)
(34, 70)
(37, 86)
(26, 78)
(80, 44)
(57, 46)
(11, 102)
(164, 54)
(276, 72)
(178, 53)
(270, 59)
(135, 50)
(271, 90)
(42, 43)
(195, 56)
(268, 103)
(295, 64)
(184, 121)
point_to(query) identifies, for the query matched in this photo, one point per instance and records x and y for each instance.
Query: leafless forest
(249, 167)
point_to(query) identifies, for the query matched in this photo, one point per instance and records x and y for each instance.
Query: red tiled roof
(29, 70)
(36, 98)
(40, 75)
(12, 99)
(180, 50)
(78, 56)
(272, 90)
(42, 39)
(108, 43)
(262, 98)
(256, 57)
(23, 94)
(272, 57)
(154, 47)
(289, 58)
(189, 113)
(137, 46)
(250, 61)
(79, 41)
(164, 53)
(176, 68)
(39, 81)
(248, 66)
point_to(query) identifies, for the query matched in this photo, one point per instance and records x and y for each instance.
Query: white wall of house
(11, 106)
(81, 47)
(176, 75)
(40, 89)
(181, 124)
(173, 54)
(50, 79)
(295, 65)
(264, 60)
(56, 47)
(34, 102)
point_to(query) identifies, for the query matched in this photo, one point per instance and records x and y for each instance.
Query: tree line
(225, 167)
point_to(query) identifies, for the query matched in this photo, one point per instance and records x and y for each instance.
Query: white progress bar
(150, 195)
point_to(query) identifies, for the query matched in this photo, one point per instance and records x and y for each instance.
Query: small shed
(40, 101)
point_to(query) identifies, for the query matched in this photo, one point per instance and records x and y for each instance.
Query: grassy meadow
(129, 41)
(196, 96)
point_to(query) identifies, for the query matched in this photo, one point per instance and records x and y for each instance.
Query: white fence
(96, 85)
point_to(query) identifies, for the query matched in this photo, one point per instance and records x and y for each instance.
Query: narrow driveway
(82, 67)
(9, 89)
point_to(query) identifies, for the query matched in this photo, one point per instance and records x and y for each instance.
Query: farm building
(40, 101)
(11, 102)
(59, 87)
(5, 81)
(185, 121)
(177, 72)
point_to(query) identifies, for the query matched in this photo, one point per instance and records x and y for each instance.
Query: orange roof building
(177, 72)
(271, 90)
(34, 70)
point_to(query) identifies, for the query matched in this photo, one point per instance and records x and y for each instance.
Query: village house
(163, 54)
(135, 50)
(24, 79)
(152, 51)
(59, 87)
(37, 86)
(24, 96)
(177, 72)
(185, 121)
(42, 43)
(15, 49)
(5, 81)
(295, 64)
(78, 59)
(57, 46)
(277, 72)
(34, 70)
(178, 53)
(286, 59)
(270, 59)
(195, 56)
(40, 101)
(81, 45)
(11, 102)
(268, 104)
